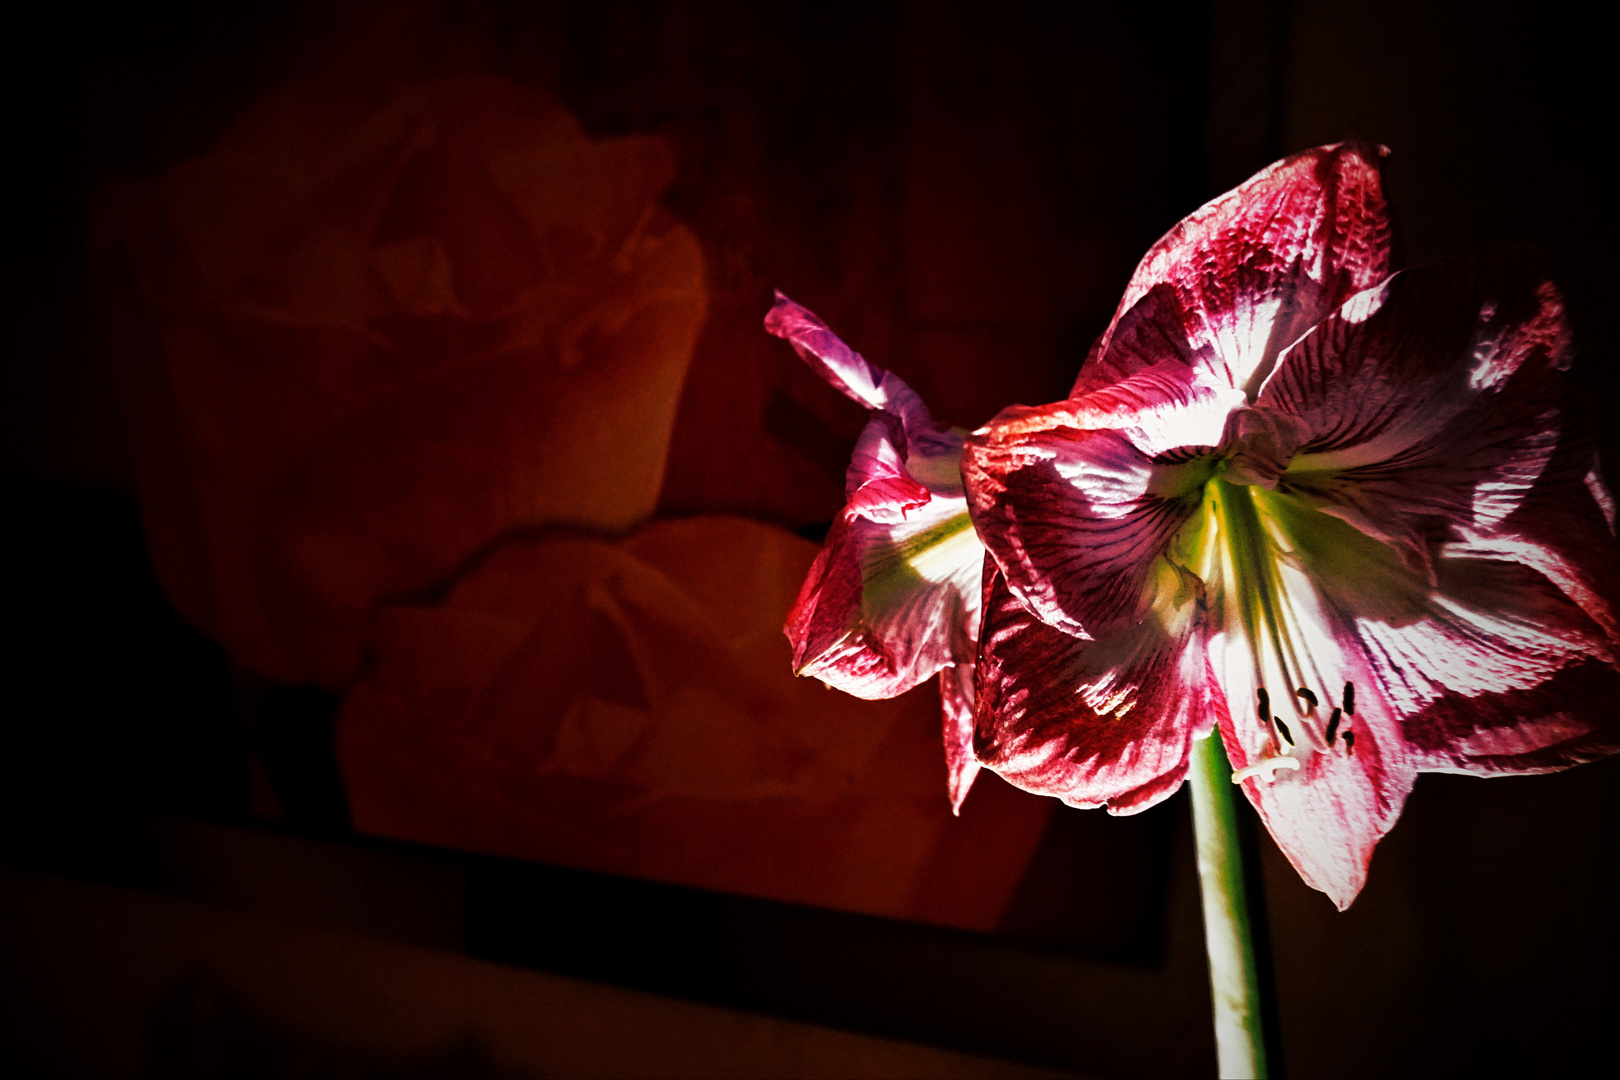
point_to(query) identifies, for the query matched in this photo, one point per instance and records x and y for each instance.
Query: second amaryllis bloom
(1345, 516)
(893, 597)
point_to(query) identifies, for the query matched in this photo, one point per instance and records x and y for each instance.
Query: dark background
(963, 189)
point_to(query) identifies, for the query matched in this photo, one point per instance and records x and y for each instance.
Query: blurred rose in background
(358, 342)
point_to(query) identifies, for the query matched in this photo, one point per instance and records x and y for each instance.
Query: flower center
(1269, 561)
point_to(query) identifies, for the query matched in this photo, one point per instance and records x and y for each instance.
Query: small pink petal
(956, 701)
(848, 371)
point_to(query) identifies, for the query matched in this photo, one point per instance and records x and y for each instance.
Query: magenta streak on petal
(1273, 628)
(1435, 412)
(1327, 478)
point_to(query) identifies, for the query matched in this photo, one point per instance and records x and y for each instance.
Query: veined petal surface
(1434, 402)
(889, 595)
(1077, 501)
(1317, 747)
(1506, 675)
(894, 596)
(1108, 722)
(1252, 270)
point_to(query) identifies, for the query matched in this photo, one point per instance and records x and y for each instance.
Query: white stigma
(1266, 770)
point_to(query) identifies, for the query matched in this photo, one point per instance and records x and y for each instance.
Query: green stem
(1233, 980)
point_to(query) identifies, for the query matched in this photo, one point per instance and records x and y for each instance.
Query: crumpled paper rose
(627, 707)
(362, 338)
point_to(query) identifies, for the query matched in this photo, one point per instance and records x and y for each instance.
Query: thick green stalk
(1233, 980)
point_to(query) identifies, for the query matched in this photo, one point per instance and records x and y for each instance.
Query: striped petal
(1252, 270)
(851, 374)
(1108, 722)
(1077, 501)
(1433, 402)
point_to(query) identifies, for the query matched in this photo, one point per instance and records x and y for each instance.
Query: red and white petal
(956, 705)
(878, 485)
(1074, 510)
(884, 480)
(1257, 267)
(851, 373)
(1327, 783)
(1108, 722)
(884, 602)
(1433, 403)
(1506, 675)
(824, 626)
(1563, 529)
(1328, 815)
(1168, 406)
(956, 693)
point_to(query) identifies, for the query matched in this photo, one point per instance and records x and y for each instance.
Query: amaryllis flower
(1345, 515)
(894, 595)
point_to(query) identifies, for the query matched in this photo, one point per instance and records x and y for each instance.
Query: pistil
(1266, 770)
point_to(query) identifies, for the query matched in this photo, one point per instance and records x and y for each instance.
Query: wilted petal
(1095, 723)
(1257, 267)
(894, 596)
(850, 373)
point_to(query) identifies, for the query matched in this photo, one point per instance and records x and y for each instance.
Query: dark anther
(1288, 736)
(1349, 699)
(1308, 695)
(1350, 742)
(1265, 703)
(1333, 726)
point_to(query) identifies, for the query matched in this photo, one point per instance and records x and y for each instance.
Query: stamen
(1350, 743)
(1282, 728)
(1308, 696)
(1265, 704)
(1266, 770)
(1333, 726)
(1349, 699)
